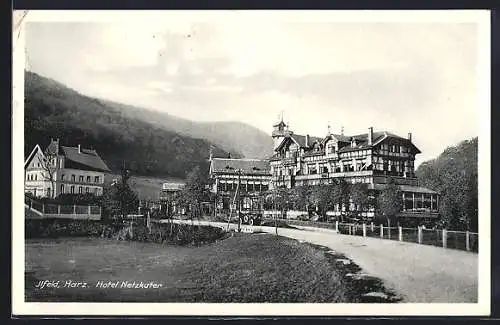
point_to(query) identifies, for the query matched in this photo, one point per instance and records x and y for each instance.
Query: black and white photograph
(251, 162)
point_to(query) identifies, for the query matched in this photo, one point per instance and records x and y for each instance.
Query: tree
(301, 197)
(340, 194)
(118, 198)
(322, 198)
(454, 175)
(282, 199)
(48, 164)
(390, 201)
(359, 197)
(194, 192)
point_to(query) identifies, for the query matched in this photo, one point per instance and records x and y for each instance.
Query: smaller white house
(61, 169)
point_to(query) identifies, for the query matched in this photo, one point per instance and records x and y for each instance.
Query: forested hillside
(54, 111)
(454, 175)
(230, 136)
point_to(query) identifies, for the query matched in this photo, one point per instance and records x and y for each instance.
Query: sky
(396, 76)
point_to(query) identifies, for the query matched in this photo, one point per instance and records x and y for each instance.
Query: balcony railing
(335, 175)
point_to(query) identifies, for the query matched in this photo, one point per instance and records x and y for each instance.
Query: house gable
(396, 140)
(32, 160)
(285, 143)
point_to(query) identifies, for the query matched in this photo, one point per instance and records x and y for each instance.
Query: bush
(176, 234)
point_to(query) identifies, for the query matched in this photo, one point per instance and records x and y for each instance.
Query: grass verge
(243, 268)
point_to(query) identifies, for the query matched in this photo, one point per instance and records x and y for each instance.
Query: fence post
(89, 209)
(337, 226)
(467, 240)
(419, 235)
(372, 226)
(43, 208)
(58, 209)
(74, 209)
(381, 231)
(400, 233)
(444, 238)
(364, 230)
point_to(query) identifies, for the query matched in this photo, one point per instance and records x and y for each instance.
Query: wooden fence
(462, 240)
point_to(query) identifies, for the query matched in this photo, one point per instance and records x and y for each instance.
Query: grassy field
(147, 188)
(242, 268)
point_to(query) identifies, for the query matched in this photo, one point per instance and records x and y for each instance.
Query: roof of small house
(173, 186)
(247, 166)
(87, 157)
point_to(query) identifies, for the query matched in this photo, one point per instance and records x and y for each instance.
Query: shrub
(176, 234)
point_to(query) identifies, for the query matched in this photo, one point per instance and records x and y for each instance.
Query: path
(418, 273)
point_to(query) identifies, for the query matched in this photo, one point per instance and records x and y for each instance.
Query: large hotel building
(370, 158)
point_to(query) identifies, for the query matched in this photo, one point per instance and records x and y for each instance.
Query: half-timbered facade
(370, 158)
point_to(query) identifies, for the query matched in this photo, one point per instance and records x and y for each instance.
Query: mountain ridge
(53, 110)
(248, 140)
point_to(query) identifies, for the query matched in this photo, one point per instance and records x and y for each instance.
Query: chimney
(370, 136)
(409, 136)
(307, 140)
(79, 149)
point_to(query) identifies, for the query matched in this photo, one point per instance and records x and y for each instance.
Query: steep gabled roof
(378, 137)
(32, 154)
(300, 140)
(86, 157)
(247, 166)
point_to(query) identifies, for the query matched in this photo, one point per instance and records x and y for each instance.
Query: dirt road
(418, 273)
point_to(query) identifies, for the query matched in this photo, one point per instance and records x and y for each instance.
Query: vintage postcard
(251, 163)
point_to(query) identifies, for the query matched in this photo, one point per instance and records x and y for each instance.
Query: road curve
(418, 273)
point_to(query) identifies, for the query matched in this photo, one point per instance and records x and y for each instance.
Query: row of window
(395, 148)
(34, 177)
(245, 187)
(81, 178)
(81, 189)
(357, 153)
(31, 176)
(313, 182)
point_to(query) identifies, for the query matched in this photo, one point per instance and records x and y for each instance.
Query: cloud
(395, 76)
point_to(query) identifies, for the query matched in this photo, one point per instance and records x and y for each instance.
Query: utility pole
(239, 200)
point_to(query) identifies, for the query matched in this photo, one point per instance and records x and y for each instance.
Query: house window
(73, 178)
(35, 177)
(62, 177)
(80, 178)
(88, 179)
(96, 191)
(72, 189)
(80, 189)
(61, 163)
(96, 179)
(62, 188)
(87, 190)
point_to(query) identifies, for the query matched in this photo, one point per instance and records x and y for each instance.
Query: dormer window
(353, 142)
